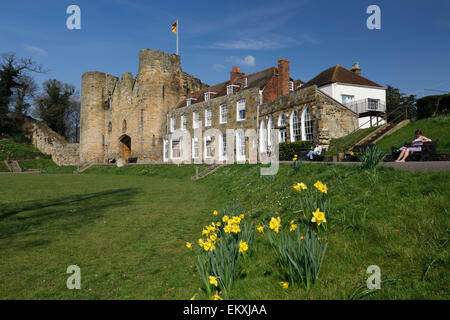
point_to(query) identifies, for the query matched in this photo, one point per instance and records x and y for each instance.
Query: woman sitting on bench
(416, 146)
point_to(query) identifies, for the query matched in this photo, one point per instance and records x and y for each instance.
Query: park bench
(428, 151)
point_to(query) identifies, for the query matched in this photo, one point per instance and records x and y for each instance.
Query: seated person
(416, 146)
(316, 152)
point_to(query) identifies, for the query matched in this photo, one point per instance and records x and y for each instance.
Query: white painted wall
(336, 90)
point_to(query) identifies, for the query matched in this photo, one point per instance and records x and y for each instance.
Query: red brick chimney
(283, 77)
(235, 72)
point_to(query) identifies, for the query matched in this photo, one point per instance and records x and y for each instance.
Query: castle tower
(92, 117)
(127, 118)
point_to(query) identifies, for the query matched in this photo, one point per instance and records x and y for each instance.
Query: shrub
(371, 157)
(433, 105)
(289, 149)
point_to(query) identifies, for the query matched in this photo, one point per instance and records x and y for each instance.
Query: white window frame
(240, 145)
(195, 147)
(166, 150)
(183, 122)
(208, 116)
(307, 124)
(223, 113)
(171, 148)
(295, 132)
(223, 146)
(196, 122)
(172, 124)
(239, 108)
(208, 146)
(349, 99)
(291, 85)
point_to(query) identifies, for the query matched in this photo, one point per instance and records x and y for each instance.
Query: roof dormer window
(189, 101)
(208, 95)
(230, 89)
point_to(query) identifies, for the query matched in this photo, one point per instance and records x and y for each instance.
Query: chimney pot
(356, 69)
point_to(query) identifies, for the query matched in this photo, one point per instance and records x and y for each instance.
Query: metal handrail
(357, 137)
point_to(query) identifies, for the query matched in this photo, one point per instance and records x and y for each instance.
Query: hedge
(426, 106)
(289, 149)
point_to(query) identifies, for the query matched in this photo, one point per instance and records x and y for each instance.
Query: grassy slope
(127, 229)
(434, 128)
(335, 143)
(25, 153)
(19, 150)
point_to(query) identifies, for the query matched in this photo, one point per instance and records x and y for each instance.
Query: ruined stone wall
(49, 142)
(136, 108)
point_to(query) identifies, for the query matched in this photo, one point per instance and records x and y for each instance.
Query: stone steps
(83, 168)
(207, 171)
(13, 166)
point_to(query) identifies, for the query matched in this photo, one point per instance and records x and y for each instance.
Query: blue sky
(411, 51)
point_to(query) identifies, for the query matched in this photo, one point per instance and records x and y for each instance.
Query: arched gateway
(125, 146)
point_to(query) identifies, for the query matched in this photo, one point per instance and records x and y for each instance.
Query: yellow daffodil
(260, 228)
(352, 153)
(189, 245)
(213, 237)
(225, 218)
(299, 186)
(235, 228)
(205, 231)
(275, 224)
(209, 246)
(213, 281)
(301, 237)
(218, 223)
(236, 220)
(200, 242)
(241, 216)
(293, 227)
(243, 246)
(318, 217)
(294, 159)
(284, 285)
(193, 297)
(216, 297)
(227, 228)
(323, 188)
(215, 213)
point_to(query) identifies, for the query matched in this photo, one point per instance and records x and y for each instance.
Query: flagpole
(178, 30)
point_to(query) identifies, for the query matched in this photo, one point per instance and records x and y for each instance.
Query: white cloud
(35, 49)
(248, 60)
(218, 67)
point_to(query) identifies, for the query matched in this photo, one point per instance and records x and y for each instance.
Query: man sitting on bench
(316, 152)
(416, 146)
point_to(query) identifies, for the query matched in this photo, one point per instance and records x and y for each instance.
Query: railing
(394, 116)
(365, 105)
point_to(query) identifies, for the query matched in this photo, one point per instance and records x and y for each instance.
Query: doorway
(126, 147)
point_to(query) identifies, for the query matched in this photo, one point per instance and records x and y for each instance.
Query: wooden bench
(428, 151)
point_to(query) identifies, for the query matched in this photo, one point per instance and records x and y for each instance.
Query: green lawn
(126, 228)
(433, 128)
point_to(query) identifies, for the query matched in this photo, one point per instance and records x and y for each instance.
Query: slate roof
(342, 75)
(258, 79)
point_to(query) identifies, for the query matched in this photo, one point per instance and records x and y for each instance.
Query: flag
(174, 27)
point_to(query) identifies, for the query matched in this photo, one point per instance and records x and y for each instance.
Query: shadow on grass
(60, 214)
